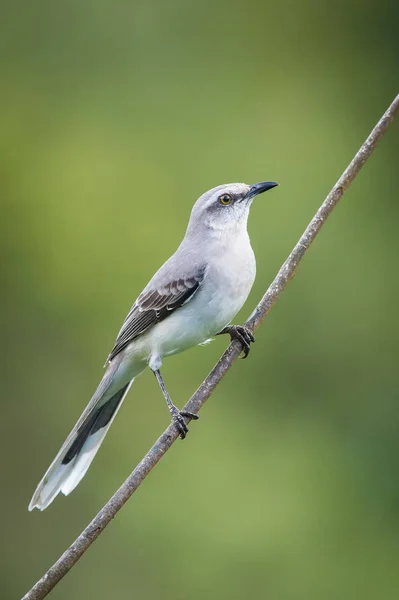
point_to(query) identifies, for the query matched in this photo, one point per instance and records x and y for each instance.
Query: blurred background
(114, 118)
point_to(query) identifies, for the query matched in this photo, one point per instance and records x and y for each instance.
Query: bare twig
(287, 271)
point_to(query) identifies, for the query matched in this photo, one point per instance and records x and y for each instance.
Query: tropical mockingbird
(192, 297)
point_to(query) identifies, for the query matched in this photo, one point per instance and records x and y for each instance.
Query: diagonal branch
(163, 443)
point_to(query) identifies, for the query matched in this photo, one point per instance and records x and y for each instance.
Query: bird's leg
(242, 334)
(177, 415)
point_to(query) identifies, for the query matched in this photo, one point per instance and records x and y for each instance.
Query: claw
(243, 335)
(179, 422)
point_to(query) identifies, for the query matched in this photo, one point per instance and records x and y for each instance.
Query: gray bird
(193, 297)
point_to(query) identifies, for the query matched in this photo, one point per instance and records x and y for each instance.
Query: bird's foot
(242, 334)
(179, 422)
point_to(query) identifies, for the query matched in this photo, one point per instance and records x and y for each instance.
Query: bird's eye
(225, 199)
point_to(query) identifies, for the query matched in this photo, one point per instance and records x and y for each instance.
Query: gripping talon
(242, 334)
(180, 423)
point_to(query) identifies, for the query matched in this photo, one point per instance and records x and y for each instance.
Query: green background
(114, 118)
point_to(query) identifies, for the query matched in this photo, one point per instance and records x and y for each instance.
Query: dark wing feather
(153, 306)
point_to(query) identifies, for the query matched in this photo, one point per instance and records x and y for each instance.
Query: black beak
(259, 188)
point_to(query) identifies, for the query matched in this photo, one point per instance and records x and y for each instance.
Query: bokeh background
(114, 117)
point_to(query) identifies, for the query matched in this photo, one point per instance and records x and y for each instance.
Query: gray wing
(155, 304)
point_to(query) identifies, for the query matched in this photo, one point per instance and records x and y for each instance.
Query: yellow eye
(225, 199)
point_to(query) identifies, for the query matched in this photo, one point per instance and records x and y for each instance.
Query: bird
(193, 297)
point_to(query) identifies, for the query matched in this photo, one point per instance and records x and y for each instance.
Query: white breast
(229, 280)
(229, 276)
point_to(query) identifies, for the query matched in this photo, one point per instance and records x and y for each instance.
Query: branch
(163, 443)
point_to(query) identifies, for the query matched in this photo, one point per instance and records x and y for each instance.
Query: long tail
(82, 444)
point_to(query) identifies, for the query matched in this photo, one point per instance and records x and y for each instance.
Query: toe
(250, 335)
(182, 429)
(244, 341)
(180, 425)
(245, 352)
(190, 415)
(247, 334)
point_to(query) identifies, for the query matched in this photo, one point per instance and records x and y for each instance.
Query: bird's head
(226, 206)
